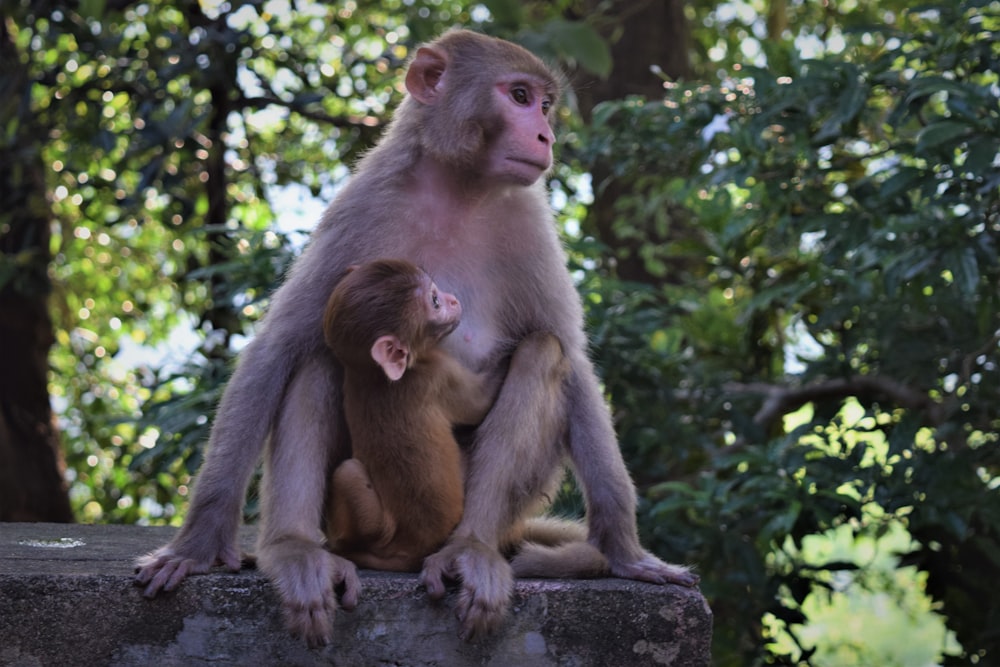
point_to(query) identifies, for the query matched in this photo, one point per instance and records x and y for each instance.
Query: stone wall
(67, 598)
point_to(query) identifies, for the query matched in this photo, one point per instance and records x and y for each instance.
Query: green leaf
(965, 268)
(853, 99)
(982, 154)
(828, 132)
(940, 133)
(931, 85)
(92, 9)
(581, 43)
(603, 113)
(506, 12)
(904, 434)
(900, 182)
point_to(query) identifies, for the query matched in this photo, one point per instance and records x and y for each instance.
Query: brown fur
(476, 216)
(400, 496)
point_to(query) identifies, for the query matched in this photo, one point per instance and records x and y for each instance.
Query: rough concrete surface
(67, 598)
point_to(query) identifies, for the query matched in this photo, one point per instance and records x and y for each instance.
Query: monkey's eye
(546, 105)
(435, 301)
(519, 95)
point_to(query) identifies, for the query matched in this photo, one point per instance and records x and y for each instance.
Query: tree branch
(262, 102)
(782, 400)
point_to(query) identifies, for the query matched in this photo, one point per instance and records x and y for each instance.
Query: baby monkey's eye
(435, 301)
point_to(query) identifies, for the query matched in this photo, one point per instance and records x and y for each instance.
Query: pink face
(443, 309)
(524, 152)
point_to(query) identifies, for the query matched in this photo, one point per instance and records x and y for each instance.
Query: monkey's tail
(557, 548)
(573, 560)
(552, 531)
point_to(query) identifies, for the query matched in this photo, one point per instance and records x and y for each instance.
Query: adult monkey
(453, 186)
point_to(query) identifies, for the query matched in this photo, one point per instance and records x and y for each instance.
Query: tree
(850, 203)
(31, 484)
(158, 167)
(649, 43)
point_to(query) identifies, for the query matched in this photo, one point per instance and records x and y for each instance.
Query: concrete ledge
(67, 598)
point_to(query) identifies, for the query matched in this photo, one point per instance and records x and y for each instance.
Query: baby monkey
(401, 495)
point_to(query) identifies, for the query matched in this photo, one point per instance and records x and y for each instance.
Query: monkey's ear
(423, 78)
(392, 355)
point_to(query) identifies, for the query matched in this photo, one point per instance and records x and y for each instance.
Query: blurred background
(783, 217)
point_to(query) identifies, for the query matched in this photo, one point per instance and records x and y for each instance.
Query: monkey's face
(443, 310)
(523, 150)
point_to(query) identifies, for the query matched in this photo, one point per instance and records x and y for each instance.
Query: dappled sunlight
(862, 617)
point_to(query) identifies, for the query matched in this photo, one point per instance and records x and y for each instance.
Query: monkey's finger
(181, 570)
(321, 632)
(655, 571)
(348, 578)
(311, 624)
(143, 573)
(432, 578)
(685, 578)
(435, 588)
(148, 565)
(478, 615)
(159, 577)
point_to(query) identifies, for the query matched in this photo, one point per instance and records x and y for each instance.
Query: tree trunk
(32, 487)
(644, 34)
(221, 315)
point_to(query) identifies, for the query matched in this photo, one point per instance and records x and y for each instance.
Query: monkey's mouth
(447, 330)
(540, 166)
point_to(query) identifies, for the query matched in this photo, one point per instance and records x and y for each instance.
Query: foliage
(849, 214)
(145, 107)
